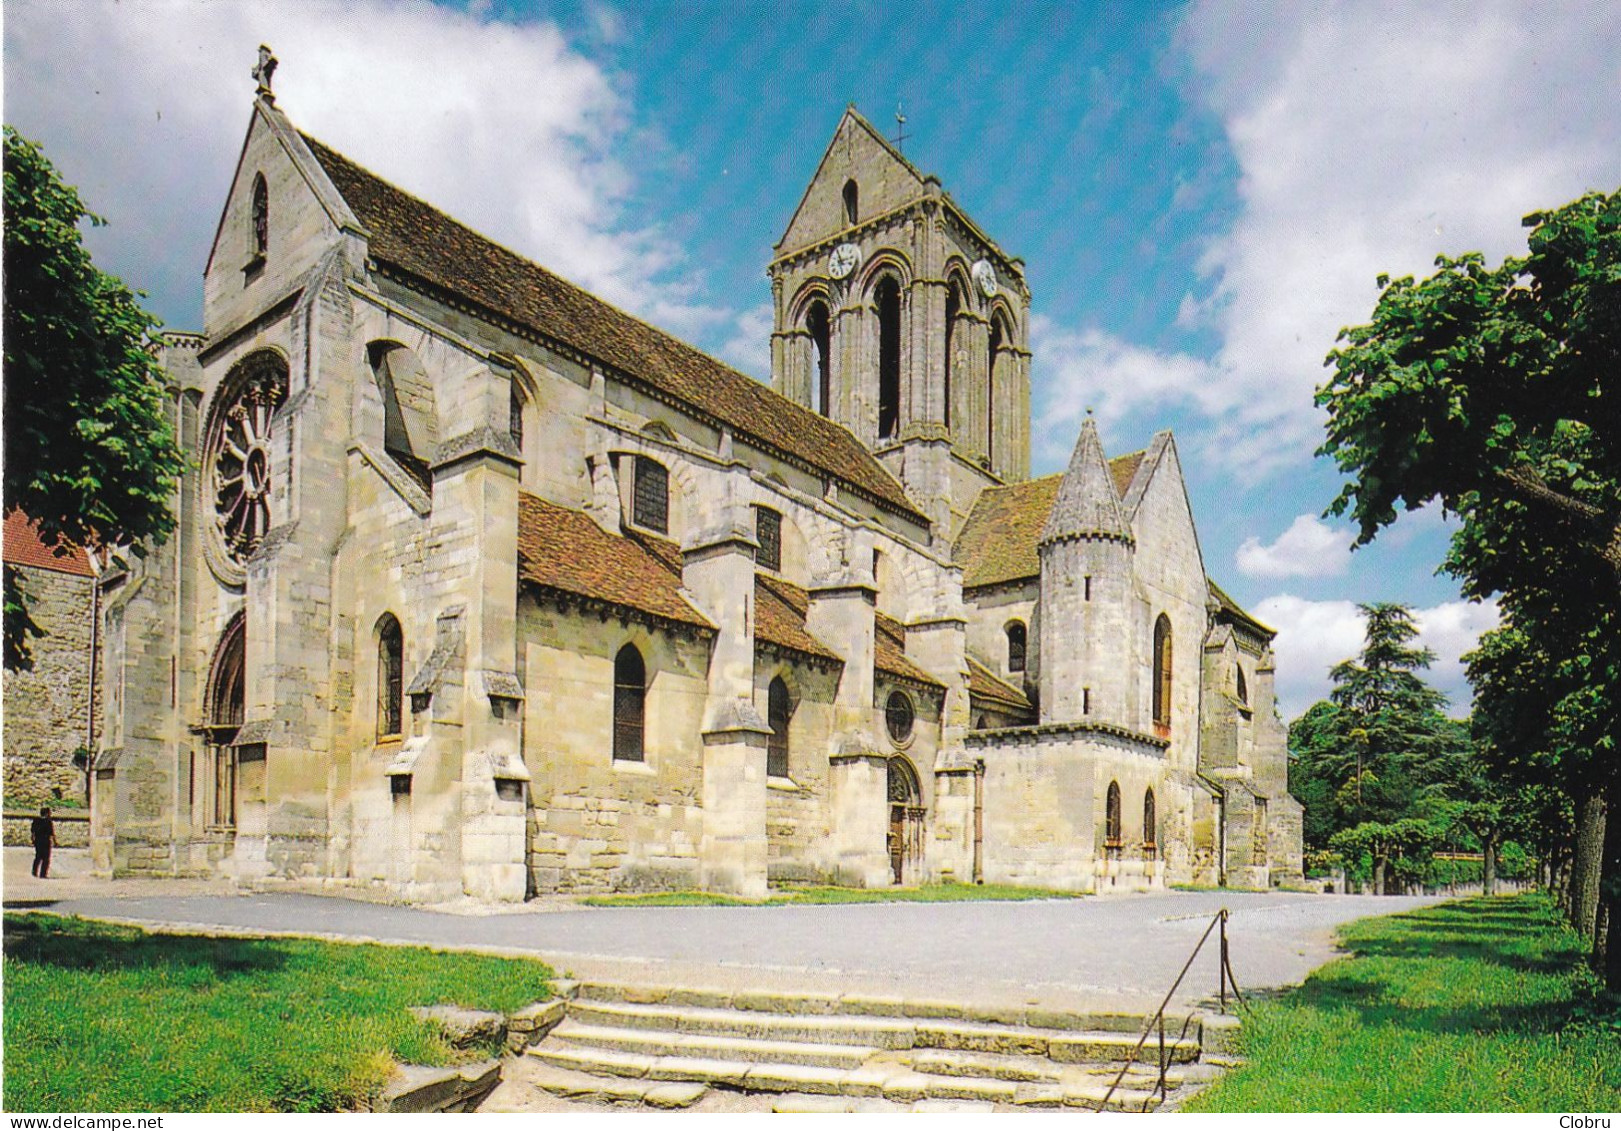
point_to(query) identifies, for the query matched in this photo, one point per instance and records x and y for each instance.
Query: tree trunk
(1587, 866)
(1488, 867)
(1379, 876)
(1607, 942)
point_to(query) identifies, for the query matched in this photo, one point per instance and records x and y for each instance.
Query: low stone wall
(72, 827)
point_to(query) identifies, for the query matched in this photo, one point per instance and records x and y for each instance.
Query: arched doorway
(905, 821)
(225, 707)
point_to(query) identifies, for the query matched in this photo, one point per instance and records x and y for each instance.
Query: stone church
(484, 587)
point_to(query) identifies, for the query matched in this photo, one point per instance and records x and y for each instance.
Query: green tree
(90, 455)
(1378, 749)
(1492, 391)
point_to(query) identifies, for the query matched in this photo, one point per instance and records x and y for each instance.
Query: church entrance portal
(225, 703)
(905, 821)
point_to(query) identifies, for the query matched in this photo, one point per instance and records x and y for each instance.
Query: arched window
(852, 202)
(993, 380)
(953, 309)
(630, 704)
(515, 407)
(226, 701)
(778, 710)
(1111, 817)
(1016, 636)
(390, 678)
(1162, 672)
(768, 532)
(888, 298)
(1243, 688)
(650, 502)
(261, 217)
(1150, 825)
(821, 332)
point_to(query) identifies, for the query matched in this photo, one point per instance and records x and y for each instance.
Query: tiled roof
(1233, 610)
(998, 541)
(415, 238)
(890, 657)
(24, 547)
(984, 684)
(779, 618)
(565, 551)
(1124, 470)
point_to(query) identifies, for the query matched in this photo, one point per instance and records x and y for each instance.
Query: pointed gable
(885, 180)
(1087, 504)
(303, 217)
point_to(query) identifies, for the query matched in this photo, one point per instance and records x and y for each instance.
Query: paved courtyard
(1122, 951)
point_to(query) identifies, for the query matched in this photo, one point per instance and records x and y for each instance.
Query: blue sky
(1202, 193)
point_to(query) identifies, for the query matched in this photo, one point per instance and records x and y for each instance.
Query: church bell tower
(897, 317)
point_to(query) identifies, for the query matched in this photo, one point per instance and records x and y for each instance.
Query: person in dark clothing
(44, 839)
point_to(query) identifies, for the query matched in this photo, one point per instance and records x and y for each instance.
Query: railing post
(1162, 1054)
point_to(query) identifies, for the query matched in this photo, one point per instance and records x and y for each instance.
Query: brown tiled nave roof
(779, 618)
(415, 238)
(998, 541)
(890, 651)
(985, 684)
(565, 551)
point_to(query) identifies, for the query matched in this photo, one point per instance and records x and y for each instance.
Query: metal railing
(1224, 977)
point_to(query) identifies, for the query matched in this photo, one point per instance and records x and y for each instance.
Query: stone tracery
(237, 459)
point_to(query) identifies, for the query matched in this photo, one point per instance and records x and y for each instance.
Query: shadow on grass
(1401, 975)
(72, 944)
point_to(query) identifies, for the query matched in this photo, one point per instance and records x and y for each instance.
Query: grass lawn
(106, 1018)
(928, 893)
(1480, 1005)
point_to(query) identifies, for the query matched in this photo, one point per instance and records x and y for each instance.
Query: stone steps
(573, 1085)
(892, 1033)
(748, 1049)
(869, 1005)
(621, 1077)
(622, 1044)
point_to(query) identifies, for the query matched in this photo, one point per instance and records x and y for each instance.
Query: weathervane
(900, 128)
(263, 73)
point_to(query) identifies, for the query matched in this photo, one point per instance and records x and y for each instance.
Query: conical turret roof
(1087, 504)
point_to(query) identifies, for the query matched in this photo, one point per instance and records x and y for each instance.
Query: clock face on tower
(985, 275)
(843, 260)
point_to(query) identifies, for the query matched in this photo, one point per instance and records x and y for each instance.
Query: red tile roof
(417, 239)
(997, 542)
(984, 684)
(24, 547)
(891, 656)
(779, 618)
(565, 551)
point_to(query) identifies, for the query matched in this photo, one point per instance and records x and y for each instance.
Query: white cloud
(1090, 369)
(749, 347)
(1369, 137)
(1313, 636)
(507, 126)
(1309, 548)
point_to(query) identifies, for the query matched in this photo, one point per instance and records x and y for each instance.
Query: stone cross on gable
(263, 73)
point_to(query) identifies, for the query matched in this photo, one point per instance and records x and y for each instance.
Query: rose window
(238, 461)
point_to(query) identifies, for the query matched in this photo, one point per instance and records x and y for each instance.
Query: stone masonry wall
(47, 710)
